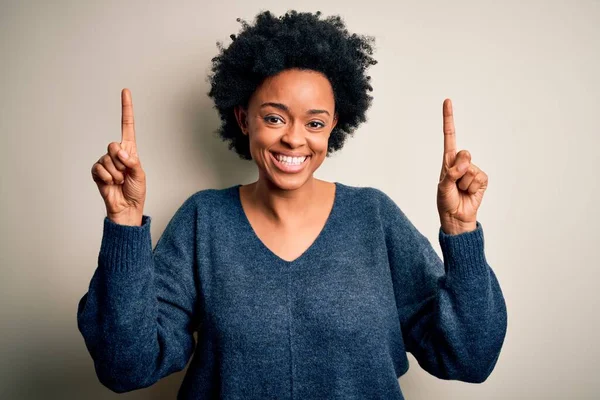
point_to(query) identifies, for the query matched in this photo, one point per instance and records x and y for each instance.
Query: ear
(241, 115)
(335, 120)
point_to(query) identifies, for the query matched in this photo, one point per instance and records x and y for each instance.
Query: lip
(290, 169)
(285, 153)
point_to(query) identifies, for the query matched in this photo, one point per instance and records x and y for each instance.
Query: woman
(297, 287)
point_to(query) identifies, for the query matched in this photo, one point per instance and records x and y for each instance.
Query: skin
(460, 191)
(119, 174)
(293, 111)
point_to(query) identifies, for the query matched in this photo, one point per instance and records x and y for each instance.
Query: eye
(316, 124)
(272, 119)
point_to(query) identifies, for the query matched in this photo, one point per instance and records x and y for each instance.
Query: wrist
(131, 218)
(452, 226)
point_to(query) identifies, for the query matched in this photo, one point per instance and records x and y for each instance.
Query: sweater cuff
(464, 254)
(125, 247)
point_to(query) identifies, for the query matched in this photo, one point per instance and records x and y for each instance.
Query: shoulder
(206, 197)
(367, 196)
(209, 201)
(374, 204)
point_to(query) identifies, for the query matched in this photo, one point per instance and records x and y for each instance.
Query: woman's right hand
(120, 179)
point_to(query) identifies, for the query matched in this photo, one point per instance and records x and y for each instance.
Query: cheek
(260, 135)
(260, 141)
(318, 143)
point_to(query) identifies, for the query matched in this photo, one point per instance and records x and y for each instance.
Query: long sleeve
(140, 312)
(452, 312)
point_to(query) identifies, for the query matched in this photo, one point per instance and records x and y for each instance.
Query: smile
(289, 164)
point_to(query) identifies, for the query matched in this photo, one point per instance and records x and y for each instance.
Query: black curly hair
(295, 40)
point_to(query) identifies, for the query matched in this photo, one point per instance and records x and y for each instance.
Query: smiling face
(289, 119)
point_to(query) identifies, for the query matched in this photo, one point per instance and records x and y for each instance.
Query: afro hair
(299, 40)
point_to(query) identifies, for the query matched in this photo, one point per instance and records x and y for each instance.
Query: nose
(294, 136)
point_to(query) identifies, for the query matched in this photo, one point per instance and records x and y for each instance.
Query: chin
(289, 182)
(285, 178)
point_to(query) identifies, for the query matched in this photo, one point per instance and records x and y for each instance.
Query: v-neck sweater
(335, 323)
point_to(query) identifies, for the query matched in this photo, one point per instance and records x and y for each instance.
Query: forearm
(118, 317)
(461, 336)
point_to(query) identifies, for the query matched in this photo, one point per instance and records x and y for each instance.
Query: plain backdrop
(525, 84)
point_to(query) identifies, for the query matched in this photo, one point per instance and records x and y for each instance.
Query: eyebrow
(286, 109)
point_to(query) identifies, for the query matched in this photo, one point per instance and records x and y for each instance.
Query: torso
(289, 241)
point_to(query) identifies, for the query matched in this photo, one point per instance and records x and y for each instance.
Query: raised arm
(140, 312)
(452, 312)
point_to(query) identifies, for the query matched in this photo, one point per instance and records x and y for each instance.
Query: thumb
(132, 162)
(454, 174)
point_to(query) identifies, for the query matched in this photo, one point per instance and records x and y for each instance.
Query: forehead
(300, 89)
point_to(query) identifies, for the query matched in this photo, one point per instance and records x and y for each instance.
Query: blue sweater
(335, 323)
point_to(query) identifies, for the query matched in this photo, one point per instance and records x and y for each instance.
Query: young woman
(297, 288)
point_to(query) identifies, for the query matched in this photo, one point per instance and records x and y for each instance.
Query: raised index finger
(449, 133)
(127, 124)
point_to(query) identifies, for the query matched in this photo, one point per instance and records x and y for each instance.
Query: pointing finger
(127, 123)
(449, 133)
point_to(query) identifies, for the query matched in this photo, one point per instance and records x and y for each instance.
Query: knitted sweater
(335, 323)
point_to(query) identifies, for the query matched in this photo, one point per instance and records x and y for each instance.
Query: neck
(284, 206)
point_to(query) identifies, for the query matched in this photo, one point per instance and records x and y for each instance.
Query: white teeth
(290, 160)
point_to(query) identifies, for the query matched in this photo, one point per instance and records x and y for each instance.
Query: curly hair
(294, 40)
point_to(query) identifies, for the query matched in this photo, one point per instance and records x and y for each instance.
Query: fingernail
(463, 167)
(123, 154)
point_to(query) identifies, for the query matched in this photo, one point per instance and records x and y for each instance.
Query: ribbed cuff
(126, 247)
(464, 254)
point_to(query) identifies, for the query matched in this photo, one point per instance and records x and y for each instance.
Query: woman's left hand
(461, 185)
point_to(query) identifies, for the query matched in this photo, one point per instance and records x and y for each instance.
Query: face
(288, 120)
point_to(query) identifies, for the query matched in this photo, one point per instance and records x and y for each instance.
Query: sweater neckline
(311, 248)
